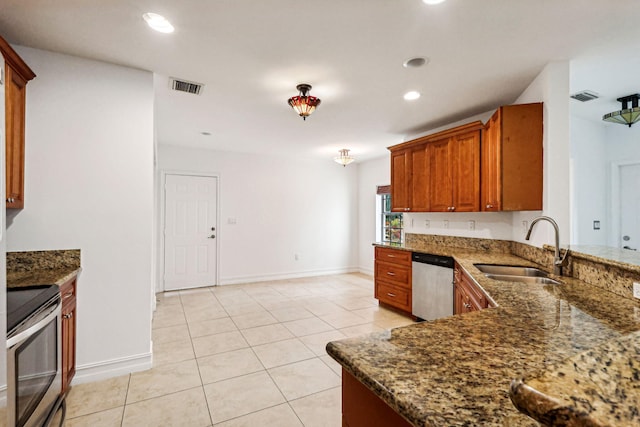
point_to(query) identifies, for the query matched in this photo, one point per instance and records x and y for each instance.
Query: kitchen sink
(510, 270)
(523, 279)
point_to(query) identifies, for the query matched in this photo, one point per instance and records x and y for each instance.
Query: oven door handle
(21, 336)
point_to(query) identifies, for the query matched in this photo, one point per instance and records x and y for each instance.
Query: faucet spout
(558, 262)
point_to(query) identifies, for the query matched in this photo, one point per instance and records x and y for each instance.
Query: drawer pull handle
(391, 295)
(390, 273)
(391, 256)
(68, 295)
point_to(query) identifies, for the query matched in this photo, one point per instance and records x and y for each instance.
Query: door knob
(213, 229)
(213, 236)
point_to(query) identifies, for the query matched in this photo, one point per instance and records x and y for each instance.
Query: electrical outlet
(427, 224)
(296, 257)
(525, 226)
(231, 221)
(636, 290)
(445, 224)
(472, 225)
(596, 225)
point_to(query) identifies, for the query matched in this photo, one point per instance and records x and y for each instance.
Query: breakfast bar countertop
(53, 267)
(457, 370)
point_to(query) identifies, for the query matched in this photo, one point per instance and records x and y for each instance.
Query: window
(389, 223)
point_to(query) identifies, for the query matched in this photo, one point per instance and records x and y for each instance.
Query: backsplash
(43, 260)
(473, 243)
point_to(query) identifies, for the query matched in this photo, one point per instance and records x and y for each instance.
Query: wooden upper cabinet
(466, 172)
(410, 180)
(512, 159)
(17, 75)
(401, 180)
(440, 177)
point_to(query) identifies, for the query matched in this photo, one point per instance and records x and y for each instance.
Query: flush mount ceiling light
(344, 158)
(416, 62)
(304, 104)
(158, 22)
(626, 116)
(432, 2)
(411, 96)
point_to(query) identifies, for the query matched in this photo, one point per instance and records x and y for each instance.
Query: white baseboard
(112, 368)
(284, 276)
(367, 271)
(3, 397)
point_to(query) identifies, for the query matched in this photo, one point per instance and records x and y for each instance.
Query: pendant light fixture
(344, 158)
(304, 104)
(626, 116)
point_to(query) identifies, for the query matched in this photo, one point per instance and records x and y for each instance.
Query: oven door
(34, 378)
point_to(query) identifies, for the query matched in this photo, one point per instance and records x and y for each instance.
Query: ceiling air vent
(185, 86)
(585, 95)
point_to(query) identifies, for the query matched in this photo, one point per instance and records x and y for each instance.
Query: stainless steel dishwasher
(432, 286)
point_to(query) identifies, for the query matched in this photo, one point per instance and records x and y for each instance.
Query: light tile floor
(241, 355)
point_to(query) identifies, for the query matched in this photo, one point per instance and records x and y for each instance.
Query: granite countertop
(53, 267)
(457, 370)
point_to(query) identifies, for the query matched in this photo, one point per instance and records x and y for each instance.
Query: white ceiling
(250, 54)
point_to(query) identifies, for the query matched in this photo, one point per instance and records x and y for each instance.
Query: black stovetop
(25, 301)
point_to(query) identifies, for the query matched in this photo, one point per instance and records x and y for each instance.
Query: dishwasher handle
(439, 260)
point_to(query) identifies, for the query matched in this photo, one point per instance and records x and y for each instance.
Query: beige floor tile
(108, 418)
(322, 409)
(238, 309)
(211, 327)
(343, 319)
(171, 316)
(172, 351)
(335, 366)
(318, 342)
(167, 298)
(282, 352)
(240, 396)
(266, 334)
(323, 309)
(356, 303)
(170, 333)
(354, 331)
(163, 380)
(228, 365)
(98, 396)
(185, 408)
(204, 313)
(251, 320)
(276, 416)
(289, 313)
(304, 378)
(218, 343)
(393, 322)
(303, 327)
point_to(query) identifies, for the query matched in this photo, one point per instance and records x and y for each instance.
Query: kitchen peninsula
(458, 370)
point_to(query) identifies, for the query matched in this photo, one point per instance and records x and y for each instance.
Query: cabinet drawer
(394, 296)
(394, 256)
(399, 275)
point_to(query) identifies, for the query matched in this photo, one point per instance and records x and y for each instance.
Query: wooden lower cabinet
(467, 296)
(392, 276)
(68, 296)
(362, 408)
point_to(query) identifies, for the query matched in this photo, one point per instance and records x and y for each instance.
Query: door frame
(615, 211)
(161, 253)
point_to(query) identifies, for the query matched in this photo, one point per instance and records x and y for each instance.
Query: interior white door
(630, 207)
(190, 233)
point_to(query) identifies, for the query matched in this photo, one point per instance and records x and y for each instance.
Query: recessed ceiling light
(433, 1)
(158, 22)
(416, 62)
(410, 96)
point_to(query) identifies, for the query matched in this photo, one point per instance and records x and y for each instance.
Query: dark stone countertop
(457, 370)
(53, 267)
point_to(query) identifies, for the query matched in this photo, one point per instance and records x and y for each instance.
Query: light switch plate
(427, 223)
(472, 225)
(636, 290)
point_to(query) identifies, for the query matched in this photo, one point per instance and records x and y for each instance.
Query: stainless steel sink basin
(510, 270)
(523, 279)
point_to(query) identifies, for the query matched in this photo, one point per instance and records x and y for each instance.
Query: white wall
(282, 206)
(590, 177)
(89, 185)
(371, 174)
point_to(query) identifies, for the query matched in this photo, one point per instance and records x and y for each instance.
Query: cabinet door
(68, 343)
(491, 171)
(420, 179)
(15, 120)
(401, 180)
(440, 176)
(466, 172)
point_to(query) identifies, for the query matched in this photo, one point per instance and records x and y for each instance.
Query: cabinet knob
(489, 206)
(466, 305)
(68, 316)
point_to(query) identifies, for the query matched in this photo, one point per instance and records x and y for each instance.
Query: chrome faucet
(558, 262)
